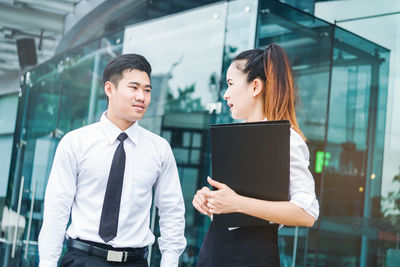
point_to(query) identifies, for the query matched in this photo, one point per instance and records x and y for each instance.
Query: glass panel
(181, 76)
(307, 41)
(195, 156)
(186, 139)
(353, 175)
(63, 94)
(138, 12)
(196, 140)
(181, 155)
(167, 135)
(286, 242)
(241, 25)
(185, 71)
(39, 107)
(6, 142)
(8, 113)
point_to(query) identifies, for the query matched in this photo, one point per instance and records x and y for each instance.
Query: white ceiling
(42, 20)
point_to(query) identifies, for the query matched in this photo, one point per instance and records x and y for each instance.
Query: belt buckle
(117, 256)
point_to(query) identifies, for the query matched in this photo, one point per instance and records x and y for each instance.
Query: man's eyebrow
(138, 84)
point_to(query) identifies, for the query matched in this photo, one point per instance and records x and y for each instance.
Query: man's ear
(257, 87)
(108, 88)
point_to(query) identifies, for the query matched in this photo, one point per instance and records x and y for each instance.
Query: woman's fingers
(214, 210)
(204, 190)
(210, 205)
(202, 204)
(200, 201)
(198, 206)
(210, 194)
(201, 196)
(213, 206)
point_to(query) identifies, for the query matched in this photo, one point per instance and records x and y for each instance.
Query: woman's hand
(223, 200)
(200, 201)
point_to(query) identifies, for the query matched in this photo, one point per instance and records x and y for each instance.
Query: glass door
(35, 141)
(63, 94)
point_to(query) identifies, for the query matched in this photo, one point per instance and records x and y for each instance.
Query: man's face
(130, 99)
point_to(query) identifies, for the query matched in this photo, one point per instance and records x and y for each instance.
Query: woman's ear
(258, 86)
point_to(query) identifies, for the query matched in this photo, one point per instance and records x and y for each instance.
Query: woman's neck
(257, 113)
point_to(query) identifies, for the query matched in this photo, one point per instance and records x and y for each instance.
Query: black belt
(112, 254)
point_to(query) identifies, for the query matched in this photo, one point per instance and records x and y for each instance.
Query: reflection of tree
(183, 102)
(76, 93)
(213, 86)
(229, 54)
(393, 201)
(46, 110)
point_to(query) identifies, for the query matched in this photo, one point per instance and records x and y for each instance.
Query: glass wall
(8, 114)
(186, 77)
(308, 43)
(342, 82)
(58, 96)
(341, 109)
(351, 199)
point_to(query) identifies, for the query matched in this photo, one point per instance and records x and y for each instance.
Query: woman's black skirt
(246, 246)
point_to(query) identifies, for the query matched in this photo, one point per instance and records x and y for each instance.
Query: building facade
(342, 81)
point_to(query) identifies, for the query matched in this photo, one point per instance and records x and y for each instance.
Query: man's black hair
(115, 67)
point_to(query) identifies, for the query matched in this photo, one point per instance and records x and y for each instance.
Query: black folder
(252, 159)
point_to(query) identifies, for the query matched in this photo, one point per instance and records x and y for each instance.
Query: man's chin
(135, 118)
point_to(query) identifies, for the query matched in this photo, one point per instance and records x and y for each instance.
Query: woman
(260, 87)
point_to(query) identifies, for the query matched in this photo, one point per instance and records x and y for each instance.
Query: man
(103, 175)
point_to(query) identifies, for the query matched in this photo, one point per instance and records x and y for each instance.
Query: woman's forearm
(280, 212)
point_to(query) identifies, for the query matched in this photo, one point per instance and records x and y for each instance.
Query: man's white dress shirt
(77, 186)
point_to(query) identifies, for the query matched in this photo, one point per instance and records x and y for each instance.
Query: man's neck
(120, 123)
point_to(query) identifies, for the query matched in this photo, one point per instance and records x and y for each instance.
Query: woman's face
(239, 95)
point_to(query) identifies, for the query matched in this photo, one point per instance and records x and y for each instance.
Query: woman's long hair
(279, 95)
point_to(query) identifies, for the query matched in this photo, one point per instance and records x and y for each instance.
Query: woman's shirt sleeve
(302, 187)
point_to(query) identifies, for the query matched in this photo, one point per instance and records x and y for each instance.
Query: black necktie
(112, 199)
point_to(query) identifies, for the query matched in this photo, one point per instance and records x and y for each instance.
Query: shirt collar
(112, 131)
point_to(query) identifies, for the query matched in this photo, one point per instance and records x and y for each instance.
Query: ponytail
(280, 89)
(279, 95)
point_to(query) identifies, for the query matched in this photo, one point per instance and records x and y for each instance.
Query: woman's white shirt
(302, 187)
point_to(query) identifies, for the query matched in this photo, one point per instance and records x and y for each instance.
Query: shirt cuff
(48, 263)
(307, 202)
(169, 259)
